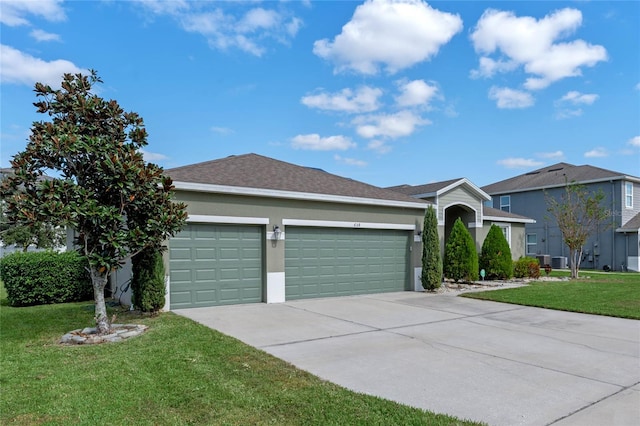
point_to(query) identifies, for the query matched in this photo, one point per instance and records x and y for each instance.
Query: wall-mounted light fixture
(419, 233)
(276, 232)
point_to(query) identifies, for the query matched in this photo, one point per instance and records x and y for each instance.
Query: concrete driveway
(497, 363)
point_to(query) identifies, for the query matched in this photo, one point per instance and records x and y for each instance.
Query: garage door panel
(346, 261)
(215, 264)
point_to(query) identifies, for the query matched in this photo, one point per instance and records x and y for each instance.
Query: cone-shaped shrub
(431, 261)
(460, 255)
(495, 256)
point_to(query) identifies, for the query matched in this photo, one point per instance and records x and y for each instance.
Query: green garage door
(322, 262)
(215, 265)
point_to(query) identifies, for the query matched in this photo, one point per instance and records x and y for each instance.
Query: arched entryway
(465, 213)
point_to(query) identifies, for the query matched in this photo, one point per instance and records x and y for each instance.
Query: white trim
(476, 224)
(474, 188)
(417, 238)
(274, 193)
(202, 218)
(167, 293)
(508, 219)
(344, 224)
(275, 287)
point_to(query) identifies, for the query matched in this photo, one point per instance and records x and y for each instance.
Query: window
(532, 243)
(505, 203)
(628, 195)
(506, 230)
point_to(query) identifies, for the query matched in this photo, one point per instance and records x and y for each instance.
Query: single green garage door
(215, 265)
(322, 262)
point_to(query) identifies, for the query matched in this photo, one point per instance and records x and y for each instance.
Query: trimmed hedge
(42, 278)
(147, 282)
(526, 267)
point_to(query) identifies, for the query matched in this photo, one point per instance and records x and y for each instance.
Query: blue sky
(385, 92)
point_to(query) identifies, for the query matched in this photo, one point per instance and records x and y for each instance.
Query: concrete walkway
(497, 363)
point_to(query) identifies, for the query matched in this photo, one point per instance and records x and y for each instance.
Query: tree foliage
(41, 235)
(495, 256)
(460, 254)
(116, 202)
(431, 261)
(579, 213)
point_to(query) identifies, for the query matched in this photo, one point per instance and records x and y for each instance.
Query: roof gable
(264, 173)
(438, 188)
(555, 175)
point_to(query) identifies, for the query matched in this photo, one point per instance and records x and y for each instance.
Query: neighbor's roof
(258, 172)
(632, 225)
(556, 175)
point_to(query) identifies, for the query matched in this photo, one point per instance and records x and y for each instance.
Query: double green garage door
(213, 264)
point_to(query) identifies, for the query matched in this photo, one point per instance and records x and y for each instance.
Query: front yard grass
(178, 372)
(611, 294)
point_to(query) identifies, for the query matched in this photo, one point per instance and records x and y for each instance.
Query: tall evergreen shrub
(147, 282)
(431, 261)
(460, 254)
(495, 256)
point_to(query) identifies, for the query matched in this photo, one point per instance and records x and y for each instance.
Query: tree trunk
(99, 281)
(574, 258)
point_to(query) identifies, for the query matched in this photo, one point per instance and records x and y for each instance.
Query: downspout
(613, 226)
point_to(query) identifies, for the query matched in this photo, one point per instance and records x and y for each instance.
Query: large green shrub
(431, 261)
(45, 277)
(460, 254)
(147, 282)
(495, 256)
(526, 267)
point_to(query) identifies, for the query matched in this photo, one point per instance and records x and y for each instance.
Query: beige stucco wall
(277, 211)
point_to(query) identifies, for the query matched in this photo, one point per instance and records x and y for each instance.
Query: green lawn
(178, 372)
(611, 294)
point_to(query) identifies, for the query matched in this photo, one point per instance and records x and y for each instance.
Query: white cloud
(392, 126)
(225, 29)
(509, 98)
(415, 93)
(396, 34)
(577, 98)
(41, 35)
(525, 41)
(596, 153)
(222, 130)
(349, 161)
(21, 68)
(378, 146)
(519, 163)
(152, 157)
(314, 142)
(365, 99)
(634, 141)
(554, 154)
(14, 12)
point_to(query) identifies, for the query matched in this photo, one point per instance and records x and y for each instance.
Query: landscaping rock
(88, 336)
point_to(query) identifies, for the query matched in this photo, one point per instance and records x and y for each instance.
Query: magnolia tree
(579, 213)
(116, 203)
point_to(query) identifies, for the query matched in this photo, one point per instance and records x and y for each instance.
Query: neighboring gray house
(262, 230)
(613, 246)
(460, 198)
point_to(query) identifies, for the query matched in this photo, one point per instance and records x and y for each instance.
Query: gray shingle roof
(256, 171)
(490, 211)
(632, 224)
(554, 175)
(428, 188)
